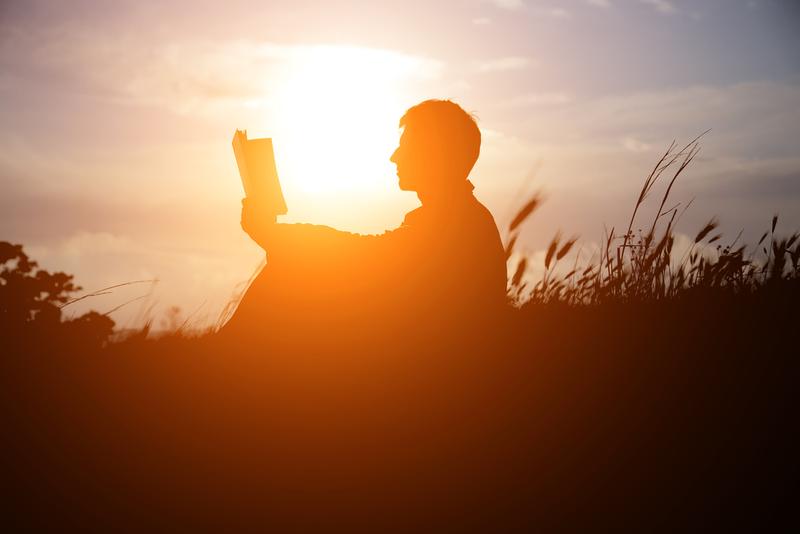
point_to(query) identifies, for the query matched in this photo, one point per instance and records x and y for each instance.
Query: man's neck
(443, 196)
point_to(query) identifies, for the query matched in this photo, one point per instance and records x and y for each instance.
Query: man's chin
(405, 186)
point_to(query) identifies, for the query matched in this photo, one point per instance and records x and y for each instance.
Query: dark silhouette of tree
(31, 299)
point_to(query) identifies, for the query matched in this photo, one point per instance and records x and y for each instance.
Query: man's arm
(310, 241)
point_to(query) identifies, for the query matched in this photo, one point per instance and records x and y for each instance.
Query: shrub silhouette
(31, 300)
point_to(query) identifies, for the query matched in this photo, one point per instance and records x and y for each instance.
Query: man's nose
(393, 158)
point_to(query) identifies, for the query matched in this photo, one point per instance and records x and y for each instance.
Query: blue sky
(116, 118)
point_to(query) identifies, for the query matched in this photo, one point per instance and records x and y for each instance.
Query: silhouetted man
(443, 267)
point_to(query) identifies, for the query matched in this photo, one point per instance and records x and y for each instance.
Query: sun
(336, 119)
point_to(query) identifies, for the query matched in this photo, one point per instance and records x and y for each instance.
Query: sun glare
(336, 119)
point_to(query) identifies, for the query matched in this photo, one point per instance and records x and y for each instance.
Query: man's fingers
(253, 221)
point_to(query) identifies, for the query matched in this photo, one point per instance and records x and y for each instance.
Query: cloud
(635, 145)
(508, 4)
(551, 12)
(481, 21)
(599, 3)
(538, 99)
(558, 12)
(662, 6)
(194, 77)
(748, 167)
(256, 68)
(752, 118)
(505, 64)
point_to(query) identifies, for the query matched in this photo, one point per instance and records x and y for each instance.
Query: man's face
(403, 160)
(415, 161)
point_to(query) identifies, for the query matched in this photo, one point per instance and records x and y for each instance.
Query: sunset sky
(116, 121)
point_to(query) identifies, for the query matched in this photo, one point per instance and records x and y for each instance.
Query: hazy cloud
(741, 174)
(538, 99)
(504, 64)
(558, 12)
(188, 77)
(636, 145)
(508, 4)
(662, 6)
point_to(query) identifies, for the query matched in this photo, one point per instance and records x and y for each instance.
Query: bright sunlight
(336, 118)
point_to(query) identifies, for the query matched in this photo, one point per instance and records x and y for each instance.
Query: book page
(257, 169)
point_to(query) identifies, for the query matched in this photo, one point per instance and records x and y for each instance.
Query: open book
(256, 162)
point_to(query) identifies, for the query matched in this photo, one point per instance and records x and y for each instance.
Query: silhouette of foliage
(31, 300)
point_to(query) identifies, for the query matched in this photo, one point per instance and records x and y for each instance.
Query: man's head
(438, 148)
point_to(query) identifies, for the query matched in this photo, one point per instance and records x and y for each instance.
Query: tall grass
(644, 266)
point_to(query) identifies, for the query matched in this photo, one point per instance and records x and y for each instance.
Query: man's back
(459, 258)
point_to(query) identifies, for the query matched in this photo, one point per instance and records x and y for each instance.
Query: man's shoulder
(477, 214)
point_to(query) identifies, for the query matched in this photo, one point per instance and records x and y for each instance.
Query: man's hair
(449, 129)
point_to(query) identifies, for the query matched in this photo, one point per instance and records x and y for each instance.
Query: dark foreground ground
(676, 414)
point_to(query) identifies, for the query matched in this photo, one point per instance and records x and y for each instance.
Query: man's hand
(256, 222)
